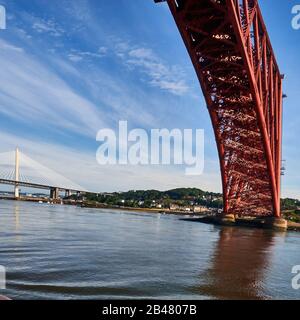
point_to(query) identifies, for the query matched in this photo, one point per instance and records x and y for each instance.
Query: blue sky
(70, 68)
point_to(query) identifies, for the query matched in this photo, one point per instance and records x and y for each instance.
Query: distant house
(199, 209)
(174, 206)
(153, 204)
(107, 194)
(158, 206)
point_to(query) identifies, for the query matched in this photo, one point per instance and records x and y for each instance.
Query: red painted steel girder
(229, 46)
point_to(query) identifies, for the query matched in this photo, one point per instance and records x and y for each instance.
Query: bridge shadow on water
(239, 265)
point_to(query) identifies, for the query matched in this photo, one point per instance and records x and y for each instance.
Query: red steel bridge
(230, 49)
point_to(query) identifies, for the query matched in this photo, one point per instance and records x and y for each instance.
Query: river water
(64, 252)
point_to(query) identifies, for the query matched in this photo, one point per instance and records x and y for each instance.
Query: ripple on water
(65, 252)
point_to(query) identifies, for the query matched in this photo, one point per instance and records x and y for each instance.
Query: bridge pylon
(17, 173)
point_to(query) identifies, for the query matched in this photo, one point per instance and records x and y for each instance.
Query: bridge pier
(227, 219)
(275, 223)
(54, 193)
(17, 192)
(68, 193)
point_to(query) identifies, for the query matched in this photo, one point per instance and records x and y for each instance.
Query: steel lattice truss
(232, 54)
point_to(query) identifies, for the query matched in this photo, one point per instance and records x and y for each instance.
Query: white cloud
(77, 55)
(47, 26)
(31, 93)
(159, 74)
(142, 53)
(103, 50)
(10, 47)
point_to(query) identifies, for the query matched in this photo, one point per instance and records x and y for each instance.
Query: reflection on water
(239, 264)
(65, 252)
(17, 216)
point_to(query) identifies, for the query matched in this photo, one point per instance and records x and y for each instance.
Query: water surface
(65, 252)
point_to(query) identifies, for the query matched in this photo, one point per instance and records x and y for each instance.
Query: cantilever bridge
(19, 170)
(230, 49)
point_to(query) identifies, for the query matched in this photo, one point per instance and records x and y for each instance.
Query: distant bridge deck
(37, 186)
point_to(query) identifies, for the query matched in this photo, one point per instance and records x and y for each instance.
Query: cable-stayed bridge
(19, 170)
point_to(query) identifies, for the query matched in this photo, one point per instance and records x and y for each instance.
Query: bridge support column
(67, 193)
(275, 223)
(17, 165)
(17, 191)
(227, 219)
(54, 193)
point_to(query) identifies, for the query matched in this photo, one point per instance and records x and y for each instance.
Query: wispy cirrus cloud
(77, 55)
(10, 47)
(157, 72)
(47, 26)
(63, 90)
(31, 92)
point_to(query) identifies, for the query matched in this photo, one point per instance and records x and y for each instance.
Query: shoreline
(244, 222)
(148, 210)
(102, 206)
(187, 216)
